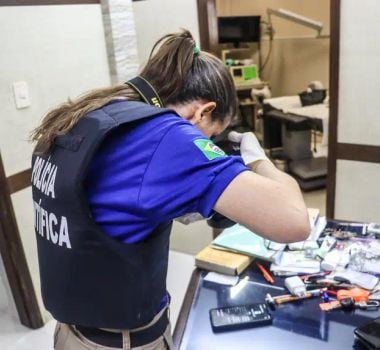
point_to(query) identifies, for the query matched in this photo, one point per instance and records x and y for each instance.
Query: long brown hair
(178, 71)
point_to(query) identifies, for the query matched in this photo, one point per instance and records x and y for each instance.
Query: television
(239, 29)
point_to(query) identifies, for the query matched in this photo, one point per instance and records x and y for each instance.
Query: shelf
(244, 103)
(251, 85)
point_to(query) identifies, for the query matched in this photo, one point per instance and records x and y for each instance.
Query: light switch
(21, 92)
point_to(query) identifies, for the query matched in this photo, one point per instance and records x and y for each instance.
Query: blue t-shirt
(155, 170)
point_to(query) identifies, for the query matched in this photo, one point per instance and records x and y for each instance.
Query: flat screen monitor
(239, 29)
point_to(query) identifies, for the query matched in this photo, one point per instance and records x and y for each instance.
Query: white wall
(357, 183)
(359, 65)
(155, 18)
(60, 52)
(357, 191)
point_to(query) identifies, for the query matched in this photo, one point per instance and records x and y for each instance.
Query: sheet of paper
(361, 279)
(296, 259)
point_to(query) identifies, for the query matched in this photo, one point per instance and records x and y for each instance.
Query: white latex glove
(250, 148)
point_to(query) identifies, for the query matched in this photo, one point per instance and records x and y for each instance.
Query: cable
(259, 50)
(270, 32)
(268, 55)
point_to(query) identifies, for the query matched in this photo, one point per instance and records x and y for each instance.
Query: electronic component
(361, 279)
(243, 74)
(239, 317)
(374, 228)
(334, 259)
(295, 286)
(327, 244)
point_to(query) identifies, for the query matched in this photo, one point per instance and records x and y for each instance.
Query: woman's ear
(194, 111)
(204, 110)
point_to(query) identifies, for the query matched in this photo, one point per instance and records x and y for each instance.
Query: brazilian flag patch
(210, 150)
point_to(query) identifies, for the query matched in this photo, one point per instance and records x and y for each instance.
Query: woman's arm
(266, 200)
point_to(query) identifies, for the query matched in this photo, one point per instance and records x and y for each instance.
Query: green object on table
(249, 72)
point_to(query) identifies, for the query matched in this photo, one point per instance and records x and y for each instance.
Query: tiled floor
(14, 336)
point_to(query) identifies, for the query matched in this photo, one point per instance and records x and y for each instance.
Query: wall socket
(21, 94)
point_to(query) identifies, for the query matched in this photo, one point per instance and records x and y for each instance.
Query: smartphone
(369, 334)
(240, 317)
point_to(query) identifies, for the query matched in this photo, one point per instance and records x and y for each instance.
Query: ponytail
(181, 73)
(169, 64)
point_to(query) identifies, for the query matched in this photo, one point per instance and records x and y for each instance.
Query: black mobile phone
(240, 317)
(369, 334)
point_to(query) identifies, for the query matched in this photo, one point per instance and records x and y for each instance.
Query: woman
(110, 173)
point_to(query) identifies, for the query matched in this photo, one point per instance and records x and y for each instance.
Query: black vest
(87, 277)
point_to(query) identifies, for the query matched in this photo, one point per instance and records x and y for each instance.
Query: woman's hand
(250, 148)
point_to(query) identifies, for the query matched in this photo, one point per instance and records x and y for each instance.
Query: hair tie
(196, 50)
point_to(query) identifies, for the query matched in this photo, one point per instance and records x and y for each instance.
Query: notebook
(241, 240)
